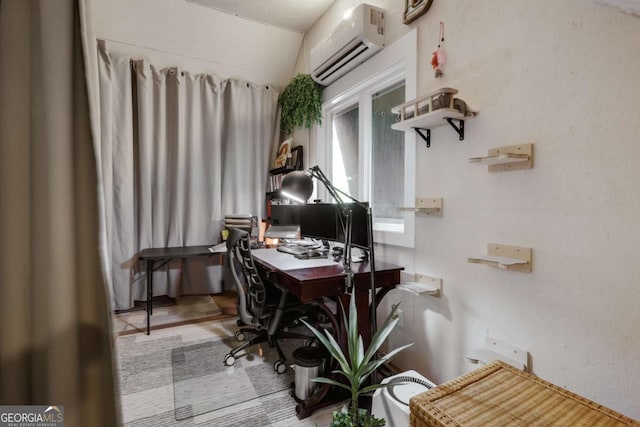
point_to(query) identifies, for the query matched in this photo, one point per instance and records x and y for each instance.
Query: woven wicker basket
(500, 395)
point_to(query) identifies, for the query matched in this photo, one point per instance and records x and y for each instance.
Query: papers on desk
(282, 232)
(284, 261)
(219, 248)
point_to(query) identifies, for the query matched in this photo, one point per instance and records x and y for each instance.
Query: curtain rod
(173, 53)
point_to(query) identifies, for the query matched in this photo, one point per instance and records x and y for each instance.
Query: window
(345, 150)
(387, 159)
(357, 148)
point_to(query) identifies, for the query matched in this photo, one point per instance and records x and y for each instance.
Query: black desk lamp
(298, 186)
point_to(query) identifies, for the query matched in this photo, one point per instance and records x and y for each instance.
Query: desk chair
(263, 309)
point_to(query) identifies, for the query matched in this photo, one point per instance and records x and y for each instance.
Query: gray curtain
(55, 344)
(179, 151)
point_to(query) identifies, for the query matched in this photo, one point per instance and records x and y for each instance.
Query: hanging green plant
(300, 104)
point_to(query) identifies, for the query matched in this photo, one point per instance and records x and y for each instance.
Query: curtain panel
(178, 152)
(55, 340)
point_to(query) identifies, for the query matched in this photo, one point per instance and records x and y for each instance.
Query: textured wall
(563, 75)
(199, 39)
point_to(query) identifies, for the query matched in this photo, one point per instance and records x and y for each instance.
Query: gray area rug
(147, 394)
(202, 383)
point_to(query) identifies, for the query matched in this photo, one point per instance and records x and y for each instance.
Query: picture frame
(296, 157)
(283, 154)
(413, 9)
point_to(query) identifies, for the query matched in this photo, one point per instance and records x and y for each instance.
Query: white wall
(198, 39)
(563, 75)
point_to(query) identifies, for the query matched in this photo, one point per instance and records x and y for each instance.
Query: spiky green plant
(300, 104)
(358, 365)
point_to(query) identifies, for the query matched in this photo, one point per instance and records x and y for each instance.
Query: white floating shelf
(420, 114)
(423, 285)
(511, 157)
(498, 350)
(505, 257)
(428, 206)
(431, 120)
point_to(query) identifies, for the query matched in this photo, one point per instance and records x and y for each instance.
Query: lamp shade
(298, 184)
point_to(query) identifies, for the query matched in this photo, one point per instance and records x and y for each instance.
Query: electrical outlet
(400, 315)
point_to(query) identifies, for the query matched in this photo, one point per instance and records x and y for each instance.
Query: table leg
(149, 294)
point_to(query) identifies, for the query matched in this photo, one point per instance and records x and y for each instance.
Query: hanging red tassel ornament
(438, 57)
(437, 61)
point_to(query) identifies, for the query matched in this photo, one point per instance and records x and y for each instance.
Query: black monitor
(285, 214)
(359, 225)
(319, 221)
(326, 221)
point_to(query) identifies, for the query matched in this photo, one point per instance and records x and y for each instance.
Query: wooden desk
(162, 256)
(311, 284)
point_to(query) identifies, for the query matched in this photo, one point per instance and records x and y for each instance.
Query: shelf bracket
(426, 136)
(459, 129)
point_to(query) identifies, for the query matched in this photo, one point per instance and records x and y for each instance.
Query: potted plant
(300, 104)
(358, 365)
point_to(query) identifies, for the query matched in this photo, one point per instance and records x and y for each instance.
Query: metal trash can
(307, 364)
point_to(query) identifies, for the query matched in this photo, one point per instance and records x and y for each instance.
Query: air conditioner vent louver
(352, 42)
(325, 71)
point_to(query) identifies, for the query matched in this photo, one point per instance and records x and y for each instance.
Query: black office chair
(264, 310)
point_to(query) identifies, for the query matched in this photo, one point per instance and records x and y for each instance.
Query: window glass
(387, 156)
(344, 150)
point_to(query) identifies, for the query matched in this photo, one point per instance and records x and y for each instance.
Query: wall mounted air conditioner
(351, 42)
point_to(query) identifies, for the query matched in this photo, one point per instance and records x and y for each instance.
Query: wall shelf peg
(423, 284)
(506, 158)
(427, 206)
(505, 257)
(499, 350)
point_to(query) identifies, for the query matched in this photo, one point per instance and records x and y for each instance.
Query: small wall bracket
(425, 134)
(459, 129)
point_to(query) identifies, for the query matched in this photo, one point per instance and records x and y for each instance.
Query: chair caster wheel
(229, 360)
(239, 336)
(279, 367)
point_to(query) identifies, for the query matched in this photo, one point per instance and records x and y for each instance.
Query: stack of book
(246, 222)
(241, 221)
(275, 182)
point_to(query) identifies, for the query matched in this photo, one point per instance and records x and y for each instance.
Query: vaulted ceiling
(296, 15)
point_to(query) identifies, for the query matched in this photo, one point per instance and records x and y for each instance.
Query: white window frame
(394, 63)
